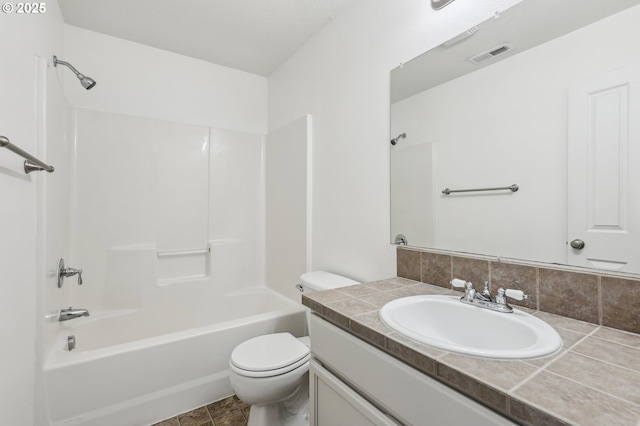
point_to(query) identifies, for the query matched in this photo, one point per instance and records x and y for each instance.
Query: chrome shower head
(87, 82)
(400, 136)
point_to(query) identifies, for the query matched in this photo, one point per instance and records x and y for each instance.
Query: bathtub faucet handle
(79, 272)
(67, 272)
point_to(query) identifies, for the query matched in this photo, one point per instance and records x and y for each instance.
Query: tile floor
(226, 412)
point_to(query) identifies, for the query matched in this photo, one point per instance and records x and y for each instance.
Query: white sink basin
(447, 323)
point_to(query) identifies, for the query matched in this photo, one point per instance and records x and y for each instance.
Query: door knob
(577, 244)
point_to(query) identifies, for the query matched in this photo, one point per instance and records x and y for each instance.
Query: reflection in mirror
(550, 103)
(439, 4)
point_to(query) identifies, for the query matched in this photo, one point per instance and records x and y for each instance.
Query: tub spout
(69, 313)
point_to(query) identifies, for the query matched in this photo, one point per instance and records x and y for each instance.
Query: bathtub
(139, 366)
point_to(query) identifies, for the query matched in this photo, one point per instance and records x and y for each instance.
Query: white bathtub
(137, 367)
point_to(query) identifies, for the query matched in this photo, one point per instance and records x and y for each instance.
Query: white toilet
(270, 372)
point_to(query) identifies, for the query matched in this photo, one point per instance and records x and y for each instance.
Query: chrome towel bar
(513, 188)
(31, 163)
(183, 252)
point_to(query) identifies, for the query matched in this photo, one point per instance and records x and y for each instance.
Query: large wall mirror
(545, 96)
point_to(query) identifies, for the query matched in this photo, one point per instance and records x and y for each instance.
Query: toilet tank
(322, 280)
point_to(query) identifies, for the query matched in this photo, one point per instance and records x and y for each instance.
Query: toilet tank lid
(322, 280)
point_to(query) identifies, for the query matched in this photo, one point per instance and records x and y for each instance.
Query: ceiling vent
(490, 54)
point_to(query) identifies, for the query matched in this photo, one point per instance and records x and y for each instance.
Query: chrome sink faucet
(69, 313)
(484, 300)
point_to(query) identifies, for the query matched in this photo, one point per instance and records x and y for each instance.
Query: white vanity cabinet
(353, 384)
(334, 403)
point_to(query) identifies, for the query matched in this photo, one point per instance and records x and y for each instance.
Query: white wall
(287, 206)
(24, 38)
(138, 80)
(341, 77)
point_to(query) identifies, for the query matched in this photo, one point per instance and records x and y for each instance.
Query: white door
(604, 171)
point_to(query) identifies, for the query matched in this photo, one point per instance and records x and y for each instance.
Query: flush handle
(577, 244)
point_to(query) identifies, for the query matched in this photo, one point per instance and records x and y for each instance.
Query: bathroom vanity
(356, 384)
(364, 373)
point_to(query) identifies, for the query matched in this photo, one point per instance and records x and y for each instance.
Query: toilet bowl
(270, 372)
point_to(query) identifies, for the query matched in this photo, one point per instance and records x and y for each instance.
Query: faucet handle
(456, 282)
(67, 272)
(515, 294)
(502, 294)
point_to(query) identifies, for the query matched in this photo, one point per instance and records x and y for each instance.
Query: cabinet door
(333, 403)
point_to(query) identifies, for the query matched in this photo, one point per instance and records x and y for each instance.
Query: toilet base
(267, 415)
(292, 412)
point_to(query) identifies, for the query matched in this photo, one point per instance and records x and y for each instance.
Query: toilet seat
(269, 355)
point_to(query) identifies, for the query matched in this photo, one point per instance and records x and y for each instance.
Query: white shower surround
(128, 201)
(136, 367)
(161, 328)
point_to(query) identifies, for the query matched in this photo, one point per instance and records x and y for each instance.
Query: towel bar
(31, 163)
(513, 188)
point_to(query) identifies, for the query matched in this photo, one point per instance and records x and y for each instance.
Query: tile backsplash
(592, 297)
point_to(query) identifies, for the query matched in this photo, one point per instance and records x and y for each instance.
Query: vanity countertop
(593, 380)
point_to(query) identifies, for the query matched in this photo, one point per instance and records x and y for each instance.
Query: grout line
(597, 326)
(531, 376)
(615, 341)
(235, 405)
(558, 356)
(599, 300)
(582, 339)
(604, 362)
(537, 289)
(594, 389)
(542, 409)
(545, 368)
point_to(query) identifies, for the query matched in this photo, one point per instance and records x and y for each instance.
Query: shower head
(87, 82)
(400, 136)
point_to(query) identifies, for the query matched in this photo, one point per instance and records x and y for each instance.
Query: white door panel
(604, 171)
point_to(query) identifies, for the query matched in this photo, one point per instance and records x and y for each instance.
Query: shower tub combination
(136, 367)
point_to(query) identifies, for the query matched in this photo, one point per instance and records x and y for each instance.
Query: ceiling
(250, 35)
(522, 27)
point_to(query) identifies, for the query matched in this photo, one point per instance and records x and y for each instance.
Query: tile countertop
(593, 380)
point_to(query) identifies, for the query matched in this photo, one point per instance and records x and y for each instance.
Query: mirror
(439, 4)
(542, 97)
